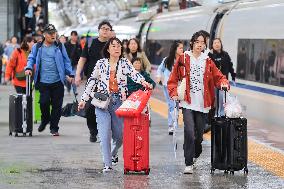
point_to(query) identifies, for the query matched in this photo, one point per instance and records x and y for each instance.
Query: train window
(156, 50)
(261, 60)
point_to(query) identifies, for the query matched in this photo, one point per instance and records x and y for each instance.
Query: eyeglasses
(105, 29)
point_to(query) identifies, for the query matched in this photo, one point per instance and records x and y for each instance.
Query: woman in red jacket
(16, 66)
(201, 76)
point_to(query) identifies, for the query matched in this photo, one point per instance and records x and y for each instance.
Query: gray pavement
(71, 161)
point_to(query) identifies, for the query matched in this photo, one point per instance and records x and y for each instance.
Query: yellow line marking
(161, 108)
(259, 154)
(258, 95)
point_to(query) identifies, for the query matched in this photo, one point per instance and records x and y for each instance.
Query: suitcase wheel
(226, 171)
(246, 171)
(125, 171)
(24, 134)
(31, 134)
(147, 171)
(10, 133)
(16, 135)
(212, 171)
(232, 172)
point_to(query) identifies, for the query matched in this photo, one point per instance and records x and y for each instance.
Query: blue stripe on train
(261, 89)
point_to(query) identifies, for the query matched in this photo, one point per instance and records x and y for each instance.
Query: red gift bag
(134, 104)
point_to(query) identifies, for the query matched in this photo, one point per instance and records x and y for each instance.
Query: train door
(144, 35)
(215, 25)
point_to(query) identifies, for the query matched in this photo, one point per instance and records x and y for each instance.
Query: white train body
(253, 25)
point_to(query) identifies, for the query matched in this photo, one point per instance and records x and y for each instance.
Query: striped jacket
(99, 79)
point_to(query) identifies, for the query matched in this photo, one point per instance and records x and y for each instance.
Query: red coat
(212, 78)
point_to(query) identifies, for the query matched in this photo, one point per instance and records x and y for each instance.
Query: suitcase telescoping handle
(28, 85)
(25, 103)
(225, 90)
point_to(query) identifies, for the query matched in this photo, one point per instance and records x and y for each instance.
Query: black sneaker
(41, 127)
(114, 160)
(207, 128)
(171, 130)
(93, 138)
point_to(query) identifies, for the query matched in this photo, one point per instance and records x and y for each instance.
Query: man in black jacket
(74, 51)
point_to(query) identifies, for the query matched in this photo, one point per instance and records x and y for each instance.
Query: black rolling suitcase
(21, 112)
(229, 144)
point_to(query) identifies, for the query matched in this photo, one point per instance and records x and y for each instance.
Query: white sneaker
(171, 130)
(107, 169)
(114, 160)
(188, 170)
(98, 139)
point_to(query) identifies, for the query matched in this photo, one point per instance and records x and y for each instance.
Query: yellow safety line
(258, 96)
(259, 154)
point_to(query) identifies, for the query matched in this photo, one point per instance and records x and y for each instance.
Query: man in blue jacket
(52, 68)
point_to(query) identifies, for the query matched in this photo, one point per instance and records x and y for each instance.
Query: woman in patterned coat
(110, 76)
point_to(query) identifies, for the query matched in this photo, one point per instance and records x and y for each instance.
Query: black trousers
(194, 123)
(51, 94)
(91, 119)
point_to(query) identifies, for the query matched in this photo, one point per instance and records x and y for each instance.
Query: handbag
(20, 75)
(181, 89)
(71, 109)
(182, 85)
(100, 100)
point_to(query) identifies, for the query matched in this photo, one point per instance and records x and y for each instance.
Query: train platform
(71, 161)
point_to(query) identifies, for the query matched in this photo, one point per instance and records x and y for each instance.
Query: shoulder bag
(182, 85)
(100, 100)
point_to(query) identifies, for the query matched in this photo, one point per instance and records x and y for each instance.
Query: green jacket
(132, 86)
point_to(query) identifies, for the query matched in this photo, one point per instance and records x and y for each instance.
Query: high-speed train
(252, 32)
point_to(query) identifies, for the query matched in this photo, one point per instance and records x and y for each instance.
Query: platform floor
(71, 161)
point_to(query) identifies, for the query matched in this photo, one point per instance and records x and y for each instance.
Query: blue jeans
(110, 127)
(220, 111)
(171, 106)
